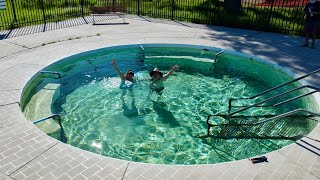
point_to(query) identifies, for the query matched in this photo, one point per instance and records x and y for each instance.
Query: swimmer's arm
(175, 67)
(118, 70)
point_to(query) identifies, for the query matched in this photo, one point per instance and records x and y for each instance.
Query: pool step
(40, 106)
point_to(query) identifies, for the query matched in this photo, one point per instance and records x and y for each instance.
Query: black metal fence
(284, 16)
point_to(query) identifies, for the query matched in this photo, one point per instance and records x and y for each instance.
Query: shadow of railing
(27, 30)
(33, 29)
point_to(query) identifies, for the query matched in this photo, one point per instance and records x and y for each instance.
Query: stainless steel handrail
(216, 56)
(46, 118)
(51, 72)
(297, 97)
(214, 64)
(260, 122)
(287, 114)
(274, 97)
(284, 84)
(141, 47)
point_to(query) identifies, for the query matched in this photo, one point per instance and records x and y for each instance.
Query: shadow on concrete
(27, 30)
(2, 36)
(308, 148)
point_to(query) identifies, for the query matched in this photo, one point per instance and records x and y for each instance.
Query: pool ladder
(258, 104)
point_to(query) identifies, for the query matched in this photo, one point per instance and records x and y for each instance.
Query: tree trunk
(232, 5)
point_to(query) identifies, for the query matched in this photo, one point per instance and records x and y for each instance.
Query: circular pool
(168, 128)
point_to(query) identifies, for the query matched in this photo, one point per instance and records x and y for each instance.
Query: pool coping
(28, 153)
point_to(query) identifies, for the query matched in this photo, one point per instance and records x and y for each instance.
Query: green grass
(282, 20)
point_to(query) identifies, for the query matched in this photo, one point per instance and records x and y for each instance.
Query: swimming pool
(143, 126)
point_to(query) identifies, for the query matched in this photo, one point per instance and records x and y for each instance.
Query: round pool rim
(231, 52)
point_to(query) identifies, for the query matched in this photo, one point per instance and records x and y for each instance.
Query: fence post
(267, 24)
(138, 7)
(14, 14)
(172, 10)
(82, 11)
(43, 12)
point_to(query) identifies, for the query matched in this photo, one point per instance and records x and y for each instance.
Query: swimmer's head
(156, 73)
(129, 75)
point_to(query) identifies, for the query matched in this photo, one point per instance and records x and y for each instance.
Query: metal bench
(119, 11)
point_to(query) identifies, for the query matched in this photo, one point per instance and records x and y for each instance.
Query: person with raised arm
(127, 80)
(157, 79)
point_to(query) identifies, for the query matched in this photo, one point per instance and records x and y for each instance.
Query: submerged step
(40, 106)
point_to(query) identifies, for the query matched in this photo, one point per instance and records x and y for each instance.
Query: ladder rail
(216, 56)
(274, 97)
(303, 95)
(214, 64)
(284, 84)
(51, 72)
(287, 114)
(46, 118)
(260, 122)
(62, 134)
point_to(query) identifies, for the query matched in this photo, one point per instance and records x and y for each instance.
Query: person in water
(157, 79)
(127, 83)
(127, 80)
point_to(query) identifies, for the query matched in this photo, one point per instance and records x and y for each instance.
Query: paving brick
(91, 171)
(28, 170)
(80, 177)
(88, 163)
(7, 168)
(62, 168)
(47, 170)
(63, 160)
(21, 161)
(33, 176)
(49, 176)
(64, 177)
(49, 160)
(76, 170)
(19, 176)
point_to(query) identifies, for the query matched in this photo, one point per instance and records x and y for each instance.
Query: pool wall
(75, 57)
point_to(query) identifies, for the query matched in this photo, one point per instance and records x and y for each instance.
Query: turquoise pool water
(143, 126)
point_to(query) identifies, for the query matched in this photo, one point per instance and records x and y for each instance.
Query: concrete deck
(28, 153)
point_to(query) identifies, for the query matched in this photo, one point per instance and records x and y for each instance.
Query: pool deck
(28, 153)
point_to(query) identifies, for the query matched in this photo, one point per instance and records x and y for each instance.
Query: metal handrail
(46, 118)
(141, 47)
(260, 122)
(62, 134)
(287, 114)
(297, 97)
(272, 98)
(284, 84)
(141, 52)
(51, 72)
(215, 59)
(216, 56)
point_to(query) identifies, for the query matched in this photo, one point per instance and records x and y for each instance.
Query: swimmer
(127, 80)
(157, 79)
